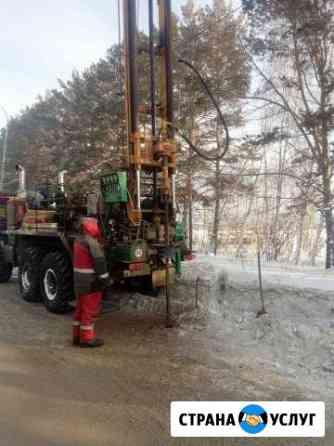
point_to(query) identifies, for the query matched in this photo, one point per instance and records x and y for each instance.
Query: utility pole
(4, 150)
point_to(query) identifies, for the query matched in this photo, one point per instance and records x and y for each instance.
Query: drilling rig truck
(137, 200)
(137, 203)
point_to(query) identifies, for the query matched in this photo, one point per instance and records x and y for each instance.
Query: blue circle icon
(253, 419)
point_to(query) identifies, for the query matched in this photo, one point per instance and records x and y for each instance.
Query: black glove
(105, 281)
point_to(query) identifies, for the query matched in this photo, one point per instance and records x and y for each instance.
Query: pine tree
(300, 34)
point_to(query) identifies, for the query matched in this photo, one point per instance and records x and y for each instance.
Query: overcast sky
(43, 40)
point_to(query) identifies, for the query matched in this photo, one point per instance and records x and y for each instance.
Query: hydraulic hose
(220, 114)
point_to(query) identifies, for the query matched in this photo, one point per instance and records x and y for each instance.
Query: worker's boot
(88, 338)
(93, 343)
(76, 333)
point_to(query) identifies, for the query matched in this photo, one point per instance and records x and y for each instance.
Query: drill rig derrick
(149, 217)
(155, 154)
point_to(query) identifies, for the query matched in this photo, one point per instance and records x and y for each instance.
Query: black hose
(220, 114)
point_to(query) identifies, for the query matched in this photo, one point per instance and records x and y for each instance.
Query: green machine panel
(114, 187)
(133, 252)
(179, 232)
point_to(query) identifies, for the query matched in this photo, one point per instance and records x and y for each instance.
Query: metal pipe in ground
(196, 292)
(263, 310)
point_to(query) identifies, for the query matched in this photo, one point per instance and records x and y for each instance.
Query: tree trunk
(217, 210)
(329, 238)
(267, 225)
(328, 213)
(190, 190)
(276, 226)
(300, 236)
(190, 215)
(216, 226)
(316, 244)
(190, 211)
(185, 219)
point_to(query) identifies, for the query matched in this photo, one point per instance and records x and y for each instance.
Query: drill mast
(152, 157)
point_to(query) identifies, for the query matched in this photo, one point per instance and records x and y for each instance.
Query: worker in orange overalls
(91, 277)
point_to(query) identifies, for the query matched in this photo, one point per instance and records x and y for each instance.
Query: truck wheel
(57, 282)
(29, 274)
(6, 270)
(144, 285)
(149, 289)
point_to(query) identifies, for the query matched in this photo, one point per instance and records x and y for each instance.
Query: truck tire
(6, 270)
(56, 282)
(149, 289)
(29, 274)
(144, 286)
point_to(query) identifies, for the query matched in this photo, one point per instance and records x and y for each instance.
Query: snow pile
(294, 337)
(192, 296)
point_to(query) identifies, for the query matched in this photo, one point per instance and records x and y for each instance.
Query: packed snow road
(54, 394)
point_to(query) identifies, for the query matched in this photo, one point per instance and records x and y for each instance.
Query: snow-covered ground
(294, 339)
(245, 273)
